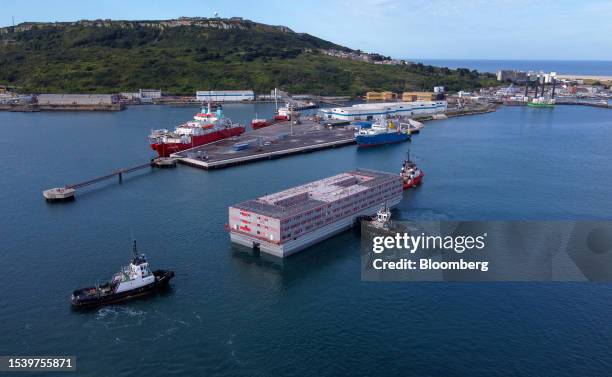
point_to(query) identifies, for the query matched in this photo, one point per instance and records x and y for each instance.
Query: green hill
(188, 54)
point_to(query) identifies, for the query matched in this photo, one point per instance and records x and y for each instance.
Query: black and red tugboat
(132, 281)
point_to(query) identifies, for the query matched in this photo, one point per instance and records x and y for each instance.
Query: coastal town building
(512, 75)
(363, 57)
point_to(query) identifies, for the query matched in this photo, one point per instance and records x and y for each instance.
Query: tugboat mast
(134, 250)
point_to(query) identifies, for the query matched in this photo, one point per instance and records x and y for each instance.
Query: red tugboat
(206, 127)
(282, 114)
(411, 174)
(260, 123)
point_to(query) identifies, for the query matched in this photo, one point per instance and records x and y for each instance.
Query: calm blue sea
(562, 67)
(230, 313)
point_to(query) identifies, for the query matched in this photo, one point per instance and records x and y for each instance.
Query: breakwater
(70, 107)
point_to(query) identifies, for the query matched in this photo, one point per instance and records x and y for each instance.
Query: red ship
(411, 174)
(282, 114)
(260, 123)
(207, 127)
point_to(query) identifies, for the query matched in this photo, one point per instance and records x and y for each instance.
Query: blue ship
(382, 132)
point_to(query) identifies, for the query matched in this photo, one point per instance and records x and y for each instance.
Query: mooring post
(120, 177)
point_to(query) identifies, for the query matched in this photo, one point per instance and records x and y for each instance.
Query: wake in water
(230, 344)
(127, 318)
(115, 317)
(114, 312)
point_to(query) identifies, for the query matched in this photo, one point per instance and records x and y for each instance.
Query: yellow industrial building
(418, 96)
(405, 97)
(380, 96)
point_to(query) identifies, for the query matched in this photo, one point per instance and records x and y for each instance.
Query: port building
(131, 96)
(225, 95)
(286, 222)
(380, 96)
(76, 99)
(418, 96)
(149, 95)
(143, 95)
(369, 111)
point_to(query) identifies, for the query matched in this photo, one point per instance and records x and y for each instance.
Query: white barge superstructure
(289, 221)
(368, 111)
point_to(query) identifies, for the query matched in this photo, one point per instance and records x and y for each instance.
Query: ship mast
(134, 250)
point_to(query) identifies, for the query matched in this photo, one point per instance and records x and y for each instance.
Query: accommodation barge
(291, 220)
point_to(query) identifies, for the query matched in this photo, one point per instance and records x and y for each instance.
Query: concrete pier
(278, 140)
(68, 192)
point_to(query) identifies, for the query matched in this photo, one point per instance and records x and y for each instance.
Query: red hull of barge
(165, 150)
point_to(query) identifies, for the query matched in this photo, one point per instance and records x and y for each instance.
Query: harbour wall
(67, 107)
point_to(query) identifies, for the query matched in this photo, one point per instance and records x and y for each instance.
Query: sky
(410, 29)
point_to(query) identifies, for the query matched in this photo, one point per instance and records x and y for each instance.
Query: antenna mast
(275, 99)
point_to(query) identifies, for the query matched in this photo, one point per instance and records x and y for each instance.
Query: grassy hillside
(79, 57)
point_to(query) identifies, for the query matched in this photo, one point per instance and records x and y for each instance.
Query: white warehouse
(368, 111)
(225, 95)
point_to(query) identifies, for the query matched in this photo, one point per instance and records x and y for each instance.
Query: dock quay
(451, 112)
(68, 192)
(68, 107)
(275, 141)
(600, 104)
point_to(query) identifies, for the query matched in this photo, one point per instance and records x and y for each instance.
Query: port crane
(292, 104)
(285, 97)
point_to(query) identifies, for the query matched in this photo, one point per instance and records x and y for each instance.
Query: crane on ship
(284, 97)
